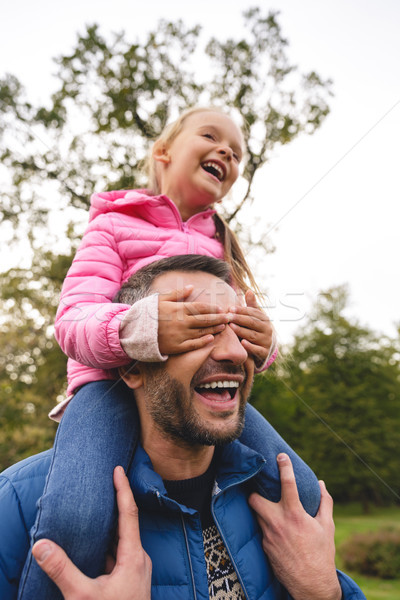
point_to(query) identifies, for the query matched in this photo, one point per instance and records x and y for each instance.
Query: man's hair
(138, 285)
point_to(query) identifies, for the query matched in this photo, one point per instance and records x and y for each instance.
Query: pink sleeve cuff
(138, 331)
(273, 353)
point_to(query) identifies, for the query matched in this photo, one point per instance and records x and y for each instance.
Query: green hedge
(375, 553)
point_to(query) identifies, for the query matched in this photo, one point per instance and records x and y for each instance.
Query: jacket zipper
(230, 555)
(190, 560)
(216, 492)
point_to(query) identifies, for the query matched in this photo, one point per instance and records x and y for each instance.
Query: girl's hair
(233, 254)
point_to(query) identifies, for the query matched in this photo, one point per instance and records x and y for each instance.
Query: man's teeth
(220, 384)
(217, 168)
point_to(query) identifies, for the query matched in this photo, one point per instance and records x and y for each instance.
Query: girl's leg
(259, 435)
(77, 510)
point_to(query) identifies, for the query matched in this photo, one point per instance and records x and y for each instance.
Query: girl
(193, 165)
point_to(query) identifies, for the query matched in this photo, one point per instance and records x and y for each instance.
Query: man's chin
(211, 434)
(180, 416)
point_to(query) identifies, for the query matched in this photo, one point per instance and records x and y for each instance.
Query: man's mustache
(212, 368)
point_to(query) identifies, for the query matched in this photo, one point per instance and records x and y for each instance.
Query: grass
(350, 520)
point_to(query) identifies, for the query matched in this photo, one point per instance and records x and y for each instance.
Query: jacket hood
(156, 209)
(104, 202)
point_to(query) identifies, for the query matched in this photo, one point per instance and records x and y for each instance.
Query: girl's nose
(227, 347)
(225, 151)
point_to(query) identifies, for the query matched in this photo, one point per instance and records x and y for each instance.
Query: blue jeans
(259, 435)
(98, 431)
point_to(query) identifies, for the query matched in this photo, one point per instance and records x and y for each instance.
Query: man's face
(199, 397)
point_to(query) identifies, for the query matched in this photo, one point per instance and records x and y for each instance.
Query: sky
(330, 201)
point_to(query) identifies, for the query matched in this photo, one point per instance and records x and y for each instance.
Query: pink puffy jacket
(127, 230)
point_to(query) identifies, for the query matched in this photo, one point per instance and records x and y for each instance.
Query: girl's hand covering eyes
(185, 326)
(251, 324)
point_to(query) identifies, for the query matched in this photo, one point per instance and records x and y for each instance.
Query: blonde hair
(233, 254)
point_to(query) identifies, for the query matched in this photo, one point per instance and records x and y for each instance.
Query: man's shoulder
(20, 487)
(24, 482)
(28, 468)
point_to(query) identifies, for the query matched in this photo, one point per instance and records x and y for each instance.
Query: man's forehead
(207, 287)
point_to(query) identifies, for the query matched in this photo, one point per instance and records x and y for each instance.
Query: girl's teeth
(216, 168)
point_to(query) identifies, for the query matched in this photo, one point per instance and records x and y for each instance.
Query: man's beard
(172, 410)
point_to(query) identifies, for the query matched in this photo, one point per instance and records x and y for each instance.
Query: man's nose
(227, 347)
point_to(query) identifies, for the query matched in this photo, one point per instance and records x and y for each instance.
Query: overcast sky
(334, 196)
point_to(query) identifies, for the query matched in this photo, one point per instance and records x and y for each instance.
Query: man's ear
(132, 376)
(160, 152)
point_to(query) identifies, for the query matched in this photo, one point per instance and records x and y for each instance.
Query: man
(193, 482)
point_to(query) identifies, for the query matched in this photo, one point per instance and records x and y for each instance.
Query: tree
(32, 366)
(340, 390)
(111, 97)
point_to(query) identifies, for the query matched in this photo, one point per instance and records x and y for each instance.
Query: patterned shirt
(223, 583)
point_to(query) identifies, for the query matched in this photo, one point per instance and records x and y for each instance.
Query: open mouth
(218, 391)
(214, 169)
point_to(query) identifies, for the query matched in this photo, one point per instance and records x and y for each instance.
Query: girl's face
(201, 164)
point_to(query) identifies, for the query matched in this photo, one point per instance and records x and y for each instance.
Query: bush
(375, 553)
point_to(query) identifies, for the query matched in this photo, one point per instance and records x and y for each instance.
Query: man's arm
(129, 576)
(300, 548)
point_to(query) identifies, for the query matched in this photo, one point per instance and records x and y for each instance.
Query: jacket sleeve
(273, 353)
(350, 590)
(14, 540)
(87, 322)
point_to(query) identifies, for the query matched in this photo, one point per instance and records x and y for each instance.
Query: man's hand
(186, 326)
(300, 548)
(252, 325)
(130, 577)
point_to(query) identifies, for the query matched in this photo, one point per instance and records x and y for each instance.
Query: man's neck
(176, 461)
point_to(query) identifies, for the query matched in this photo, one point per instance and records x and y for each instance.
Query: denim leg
(98, 431)
(259, 435)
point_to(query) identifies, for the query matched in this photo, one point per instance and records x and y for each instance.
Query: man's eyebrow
(196, 293)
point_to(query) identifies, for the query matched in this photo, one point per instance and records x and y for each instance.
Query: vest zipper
(230, 555)
(216, 491)
(189, 557)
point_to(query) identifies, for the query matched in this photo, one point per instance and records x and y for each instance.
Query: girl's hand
(251, 324)
(185, 326)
